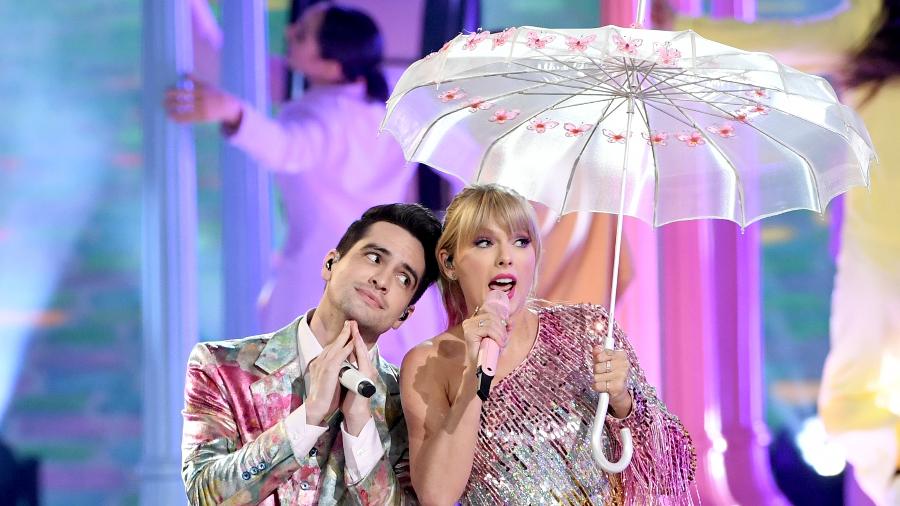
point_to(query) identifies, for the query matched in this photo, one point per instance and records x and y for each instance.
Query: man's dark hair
(415, 219)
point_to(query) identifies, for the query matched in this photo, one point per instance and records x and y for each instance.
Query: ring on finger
(504, 322)
(481, 323)
(608, 365)
(607, 386)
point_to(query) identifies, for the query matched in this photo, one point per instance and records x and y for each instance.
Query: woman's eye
(404, 279)
(522, 242)
(373, 257)
(482, 243)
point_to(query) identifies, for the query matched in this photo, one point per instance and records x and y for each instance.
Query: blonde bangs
(495, 204)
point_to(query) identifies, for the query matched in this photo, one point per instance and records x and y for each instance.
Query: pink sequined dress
(534, 443)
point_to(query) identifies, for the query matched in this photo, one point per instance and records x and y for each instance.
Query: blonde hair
(469, 211)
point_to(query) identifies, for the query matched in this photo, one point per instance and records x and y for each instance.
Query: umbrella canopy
(717, 132)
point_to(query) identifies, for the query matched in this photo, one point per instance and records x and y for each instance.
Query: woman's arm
(664, 461)
(296, 142)
(443, 432)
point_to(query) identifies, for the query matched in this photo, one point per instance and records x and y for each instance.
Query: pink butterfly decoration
(540, 125)
(758, 109)
(627, 44)
(758, 93)
(475, 39)
(451, 94)
(725, 130)
(503, 115)
(692, 139)
(443, 49)
(668, 55)
(573, 130)
(741, 116)
(501, 38)
(656, 138)
(479, 104)
(535, 41)
(614, 136)
(580, 43)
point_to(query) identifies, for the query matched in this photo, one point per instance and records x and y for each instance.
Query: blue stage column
(246, 230)
(169, 253)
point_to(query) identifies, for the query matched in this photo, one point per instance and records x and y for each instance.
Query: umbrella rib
(727, 116)
(561, 62)
(704, 77)
(737, 176)
(613, 97)
(806, 161)
(667, 113)
(448, 113)
(602, 68)
(660, 70)
(531, 70)
(751, 101)
(587, 85)
(563, 93)
(606, 113)
(502, 136)
(782, 111)
(453, 80)
(569, 79)
(642, 111)
(597, 87)
(690, 100)
(731, 92)
(647, 73)
(679, 83)
(585, 74)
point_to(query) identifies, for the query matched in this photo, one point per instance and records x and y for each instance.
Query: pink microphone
(489, 350)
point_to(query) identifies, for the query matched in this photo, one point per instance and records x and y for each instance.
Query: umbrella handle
(597, 440)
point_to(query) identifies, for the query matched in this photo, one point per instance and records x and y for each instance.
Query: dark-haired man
(266, 420)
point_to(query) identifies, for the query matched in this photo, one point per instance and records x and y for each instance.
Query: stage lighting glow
(824, 456)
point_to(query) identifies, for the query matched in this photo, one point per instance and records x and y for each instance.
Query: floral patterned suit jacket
(235, 449)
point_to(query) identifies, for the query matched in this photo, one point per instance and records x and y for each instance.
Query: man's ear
(328, 265)
(403, 316)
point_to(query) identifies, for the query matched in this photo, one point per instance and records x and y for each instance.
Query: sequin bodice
(534, 442)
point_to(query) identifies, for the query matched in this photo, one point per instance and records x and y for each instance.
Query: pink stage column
(638, 307)
(738, 324)
(691, 373)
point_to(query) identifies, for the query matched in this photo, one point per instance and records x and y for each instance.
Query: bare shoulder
(434, 361)
(447, 346)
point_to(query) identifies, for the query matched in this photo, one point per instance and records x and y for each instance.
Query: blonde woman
(529, 442)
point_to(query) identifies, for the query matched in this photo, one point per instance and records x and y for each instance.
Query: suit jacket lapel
(281, 390)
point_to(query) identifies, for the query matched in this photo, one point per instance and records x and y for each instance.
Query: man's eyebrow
(381, 249)
(387, 253)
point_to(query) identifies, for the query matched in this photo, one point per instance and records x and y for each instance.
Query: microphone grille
(366, 389)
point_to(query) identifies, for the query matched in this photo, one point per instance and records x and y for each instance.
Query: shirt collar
(308, 346)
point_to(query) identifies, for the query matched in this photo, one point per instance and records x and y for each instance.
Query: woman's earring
(452, 277)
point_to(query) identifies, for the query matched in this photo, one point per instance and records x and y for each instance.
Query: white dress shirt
(362, 452)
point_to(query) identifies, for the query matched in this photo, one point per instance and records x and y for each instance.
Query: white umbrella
(662, 126)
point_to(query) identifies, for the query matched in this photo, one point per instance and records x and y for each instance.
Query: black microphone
(354, 380)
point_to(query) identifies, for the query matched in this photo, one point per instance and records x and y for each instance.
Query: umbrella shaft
(641, 12)
(609, 343)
